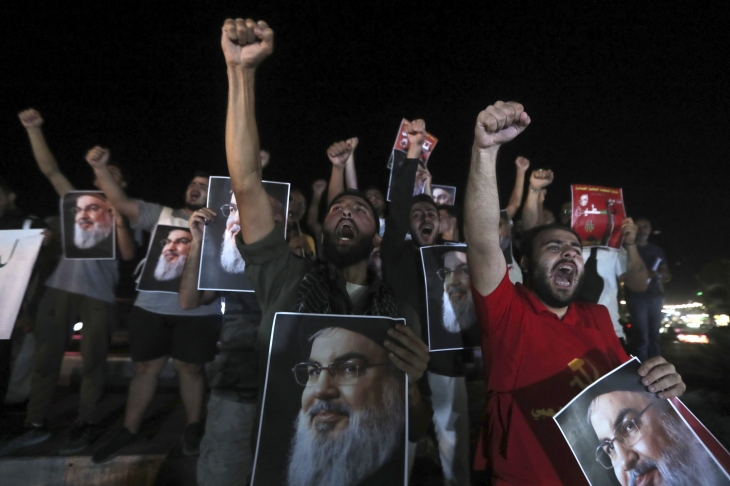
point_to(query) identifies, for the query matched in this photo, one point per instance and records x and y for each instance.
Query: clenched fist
(97, 157)
(540, 179)
(499, 123)
(628, 231)
(339, 152)
(522, 163)
(319, 186)
(30, 118)
(246, 43)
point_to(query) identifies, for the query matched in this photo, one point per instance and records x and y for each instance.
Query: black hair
(122, 169)
(360, 195)
(529, 237)
(200, 173)
(452, 211)
(424, 198)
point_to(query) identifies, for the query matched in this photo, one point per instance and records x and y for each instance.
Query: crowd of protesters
(554, 303)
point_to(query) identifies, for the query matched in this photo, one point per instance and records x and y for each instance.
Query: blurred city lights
(693, 338)
(78, 326)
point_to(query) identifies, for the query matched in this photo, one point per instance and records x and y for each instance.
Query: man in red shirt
(541, 347)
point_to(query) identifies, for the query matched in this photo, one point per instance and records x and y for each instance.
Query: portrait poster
(443, 195)
(18, 253)
(622, 434)
(451, 315)
(400, 150)
(349, 427)
(598, 213)
(87, 226)
(221, 264)
(169, 248)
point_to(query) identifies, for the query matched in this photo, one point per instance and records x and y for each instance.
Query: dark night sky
(627, 96)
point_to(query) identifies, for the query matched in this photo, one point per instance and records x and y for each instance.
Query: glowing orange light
(693, 338)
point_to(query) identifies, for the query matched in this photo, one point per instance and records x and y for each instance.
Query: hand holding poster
(334, 409)
(18, 253)
(88, 227)
(452, 319)
(166, 255)
(400, 150)
(221, 264)
(622, 434)
(598, 213)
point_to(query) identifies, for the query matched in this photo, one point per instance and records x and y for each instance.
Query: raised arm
(515, 199)
(496, 125)
(125, 240)
(338, 153)
(636, 276)
(98, 159)
(350, 172)
(423, 176)
(318, 189)
(539, 180)
(245, 45)
(33, 122)
(190, 296)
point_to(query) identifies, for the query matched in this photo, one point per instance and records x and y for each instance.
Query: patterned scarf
(319, 294)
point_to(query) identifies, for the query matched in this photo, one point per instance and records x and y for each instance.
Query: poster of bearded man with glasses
(87, 223)
(166, 256)
(334, 404)
(621, 434)
(452, 318)
(221, 264)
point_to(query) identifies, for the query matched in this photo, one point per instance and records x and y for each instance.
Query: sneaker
(191, 439)
(80, 437)
(31, 435)
(111, 449)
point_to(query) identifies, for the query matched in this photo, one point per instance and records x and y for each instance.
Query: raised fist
(628, 231)
(423, 175)
(246, 43)
(319, 186)
(97, 157)
(499, 123)
(416, 131)
(30, 118)
(339, 153)
(541, 178)
(354, 141)
(522, 163)
(265, 158)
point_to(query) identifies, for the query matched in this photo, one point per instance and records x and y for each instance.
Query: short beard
(193, 207)
(346, 458)
(683, 460)
(459, 318)
(341, 259)
(541, 287)
(231, 259)
(85, 239)
(165, 270)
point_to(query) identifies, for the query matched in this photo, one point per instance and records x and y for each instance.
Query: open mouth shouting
(426, 232)
(345, 231)
(565, 274)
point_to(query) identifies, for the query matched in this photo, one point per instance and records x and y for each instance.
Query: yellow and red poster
(598, 213)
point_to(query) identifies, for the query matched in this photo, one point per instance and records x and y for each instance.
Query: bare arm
(318, 189)
(531, 211)
(127, 246)
(338, 154)
(190, 296)
(497, 124)
(636, 276)
(245, 45)
(350, 172)
(425, 175)
(515, 199)
(33, 122)
(98, 158)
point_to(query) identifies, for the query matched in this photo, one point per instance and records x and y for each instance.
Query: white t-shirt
(611, 265)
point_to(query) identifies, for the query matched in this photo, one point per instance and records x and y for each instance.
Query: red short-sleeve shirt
(535, 363)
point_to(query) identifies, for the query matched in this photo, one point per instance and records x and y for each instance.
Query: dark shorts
(190, 339)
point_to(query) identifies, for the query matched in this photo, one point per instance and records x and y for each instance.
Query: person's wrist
(535, 190)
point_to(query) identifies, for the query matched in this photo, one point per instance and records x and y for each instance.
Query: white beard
(231, 259)
(459, 318)
(85, 239)
(348, 457)
(169, 270)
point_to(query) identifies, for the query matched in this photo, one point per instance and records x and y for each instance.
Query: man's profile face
(446, 221)
(556, 267)
(297, 205)
(442, 197)
(93, 221)
(175, 249)
(458, 307)
(424, 223)
(643, 229)
(196, 193)
(349, 231)
(639, 460)
(231, 259)
(116, 175)
(376, 199)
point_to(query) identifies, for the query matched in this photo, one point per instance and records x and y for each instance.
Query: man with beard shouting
(284, 281)
(542, 346)
(159, 328)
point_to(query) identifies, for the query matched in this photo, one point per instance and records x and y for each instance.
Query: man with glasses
(643, 440)
(351, 424)
(159, 328)
(93, 226)
(458, 306)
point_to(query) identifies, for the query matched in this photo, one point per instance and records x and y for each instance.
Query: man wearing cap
(283, 281)
(542, 346)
